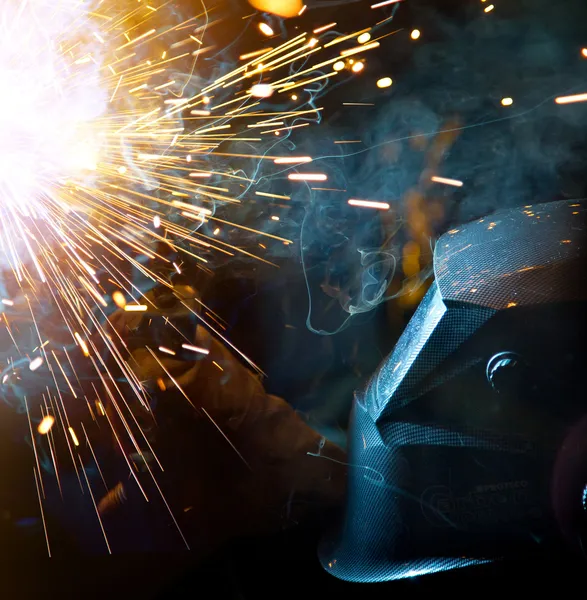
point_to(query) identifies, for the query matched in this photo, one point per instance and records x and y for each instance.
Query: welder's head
(470, 441)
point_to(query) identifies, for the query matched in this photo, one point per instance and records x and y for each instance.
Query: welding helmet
(469, 443)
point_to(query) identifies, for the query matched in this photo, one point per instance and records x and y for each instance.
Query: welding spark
(324, 28)
(307, 177)
(112, 147)
(292, 160)
(571, 99)
(195, 349)
(265, 29)
(36, 363)
(369, 204)
(384, 3)
(446, 181)
(261, 90)
(135, 307)
(45, 425)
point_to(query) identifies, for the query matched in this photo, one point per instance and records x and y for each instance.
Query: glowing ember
(369, 204)
(571, 99)
(36, 363)
(135, 308)
(307, 177)
(261, 90)
(292, 160)
(265, 29)
(384, 3)
(446, 181)
(195, 349)
(45, 425)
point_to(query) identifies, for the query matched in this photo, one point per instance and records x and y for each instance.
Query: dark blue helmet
(469, 443)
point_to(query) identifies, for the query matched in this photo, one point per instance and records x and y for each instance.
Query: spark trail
(114, 155)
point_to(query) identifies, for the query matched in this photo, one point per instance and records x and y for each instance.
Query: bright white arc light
(48, 104)
(261, 90)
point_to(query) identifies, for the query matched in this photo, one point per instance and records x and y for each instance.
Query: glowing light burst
(51, 95)
(111, 146)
